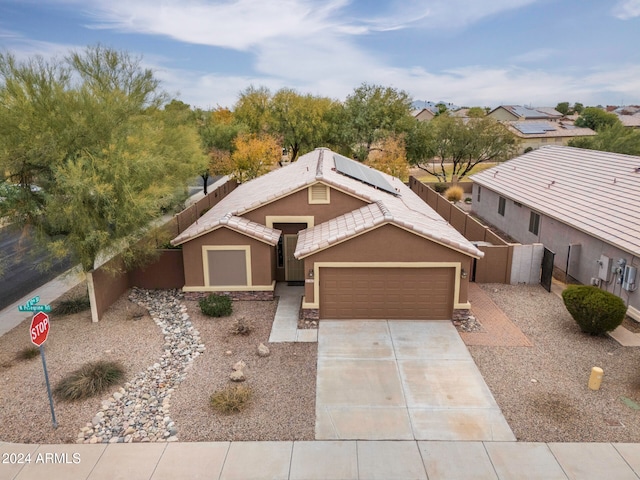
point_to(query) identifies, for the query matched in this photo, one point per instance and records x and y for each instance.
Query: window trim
(205, 263)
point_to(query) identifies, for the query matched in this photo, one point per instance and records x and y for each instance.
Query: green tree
(252, 109)
(563, 108)
(476, 112)
(301, 120)
(578, 108)
(596, 119)
(218, 131)
(616, 138)
(449, 146)
(372, 113)
(108, 159)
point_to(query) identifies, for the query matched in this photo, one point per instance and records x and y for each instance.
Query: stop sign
(39, 328)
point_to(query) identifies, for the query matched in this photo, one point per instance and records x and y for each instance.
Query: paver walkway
(401, 380)
(285, 322)
(327, 460)
(499, 330)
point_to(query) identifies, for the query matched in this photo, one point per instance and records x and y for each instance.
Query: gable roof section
(238, 224)
(403, 208)
(595, 192)
(523, 112)
(369, 217)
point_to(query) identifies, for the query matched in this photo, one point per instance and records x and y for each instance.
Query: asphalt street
(19, 259)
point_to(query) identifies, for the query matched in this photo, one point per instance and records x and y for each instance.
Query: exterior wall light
(463, 273)
(311, 273)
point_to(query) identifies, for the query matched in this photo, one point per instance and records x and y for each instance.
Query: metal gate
(547, 269)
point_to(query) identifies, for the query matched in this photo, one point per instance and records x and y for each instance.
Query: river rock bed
(139, 410)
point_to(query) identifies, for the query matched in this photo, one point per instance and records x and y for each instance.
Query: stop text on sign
(39, 328)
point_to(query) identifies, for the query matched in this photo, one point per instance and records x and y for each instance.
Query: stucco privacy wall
(262, 260)
(385, 240)
(297, 204)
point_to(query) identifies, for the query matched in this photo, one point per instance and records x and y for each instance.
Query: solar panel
(357, 171)
(533, 128)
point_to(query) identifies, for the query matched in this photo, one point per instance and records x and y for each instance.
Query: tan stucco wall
(297, 204)
(262, 256)
(502, 114)
(389, 244)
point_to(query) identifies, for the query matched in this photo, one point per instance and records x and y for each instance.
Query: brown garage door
(393, 293)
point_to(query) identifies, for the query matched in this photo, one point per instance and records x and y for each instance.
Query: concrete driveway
(401, 380)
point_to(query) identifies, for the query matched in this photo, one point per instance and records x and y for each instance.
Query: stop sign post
(39, 331)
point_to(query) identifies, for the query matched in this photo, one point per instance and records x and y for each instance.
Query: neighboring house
(631, 121)
(534, 134)
(360, 241)
(424, 115)
(584, 205)
(513, 113)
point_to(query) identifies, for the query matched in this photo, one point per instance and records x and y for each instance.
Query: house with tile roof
(360, 241)
(513, 113)
(534, 134)
(583, 205)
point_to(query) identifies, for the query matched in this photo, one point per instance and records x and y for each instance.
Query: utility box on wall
(629, 278)
(605, 264)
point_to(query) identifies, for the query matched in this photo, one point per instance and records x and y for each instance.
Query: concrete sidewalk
(322, 460)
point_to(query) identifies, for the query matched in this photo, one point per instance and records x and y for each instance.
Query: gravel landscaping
(542, 390)
(174, 365)
(172, 368)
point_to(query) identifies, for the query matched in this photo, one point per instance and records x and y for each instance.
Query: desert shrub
(595, 311)
(216, 305)
(28, 352)
(89, 380)
(439, 187)
(454, 193)
(73, 305)
(467, 200)
(241, 326)
(232, 398)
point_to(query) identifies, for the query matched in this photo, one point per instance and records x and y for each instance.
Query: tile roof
(595, 192)
(550, 111)
(405, 209)
(523, 112)
(630, 120)
(239, 224)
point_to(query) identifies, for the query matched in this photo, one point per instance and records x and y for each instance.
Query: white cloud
(627, 9)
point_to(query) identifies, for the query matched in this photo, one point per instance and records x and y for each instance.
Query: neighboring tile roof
(406, 209)
(595, 192)
(523, 112)
(630, 120)
(553, 129)
(550, 111)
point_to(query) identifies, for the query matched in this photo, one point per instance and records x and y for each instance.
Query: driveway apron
(401, 380)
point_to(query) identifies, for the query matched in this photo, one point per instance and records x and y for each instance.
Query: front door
(293, 268)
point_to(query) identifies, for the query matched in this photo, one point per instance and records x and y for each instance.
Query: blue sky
(468, 52)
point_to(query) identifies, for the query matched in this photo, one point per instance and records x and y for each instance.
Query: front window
(502, 202)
